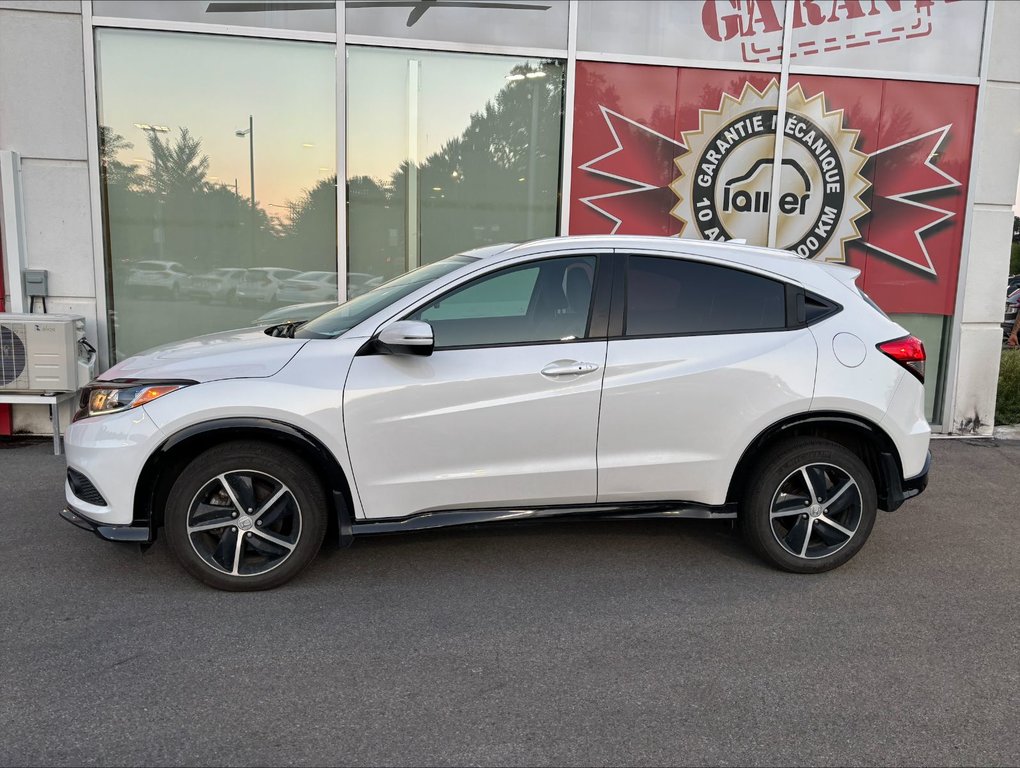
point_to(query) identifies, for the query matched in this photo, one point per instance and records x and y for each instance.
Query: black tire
(266, 556)
(779, 485)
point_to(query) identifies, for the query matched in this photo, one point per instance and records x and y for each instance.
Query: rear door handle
(568, 368)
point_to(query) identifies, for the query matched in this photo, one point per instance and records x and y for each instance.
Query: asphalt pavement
(655, 642)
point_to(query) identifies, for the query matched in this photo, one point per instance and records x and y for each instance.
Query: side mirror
(406, 337)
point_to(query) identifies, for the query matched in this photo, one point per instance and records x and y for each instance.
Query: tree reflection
(171, 211)
(498, 181)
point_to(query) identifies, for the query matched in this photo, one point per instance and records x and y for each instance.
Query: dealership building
(173, 166)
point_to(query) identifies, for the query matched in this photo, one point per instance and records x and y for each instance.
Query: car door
(702, 357)
(503, 413)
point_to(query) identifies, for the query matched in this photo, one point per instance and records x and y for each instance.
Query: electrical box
(44, 353)
(36, 282)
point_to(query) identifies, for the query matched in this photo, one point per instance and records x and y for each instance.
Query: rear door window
(675, 297)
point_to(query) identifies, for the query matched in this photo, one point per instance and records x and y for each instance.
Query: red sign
(819, 27)
(874, 172)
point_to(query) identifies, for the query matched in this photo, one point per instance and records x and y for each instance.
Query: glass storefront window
(523, 23)
(218, 201)
(447, 152)
(303, 16)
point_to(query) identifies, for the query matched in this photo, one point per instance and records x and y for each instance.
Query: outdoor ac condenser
(44, 353)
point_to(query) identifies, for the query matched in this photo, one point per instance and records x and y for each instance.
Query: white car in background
(308, 287)
(262, 284)
(608, 377)
(215, 285)
(166, 278)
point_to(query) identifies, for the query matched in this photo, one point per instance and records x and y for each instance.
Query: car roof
(488, 251)
(758, 258)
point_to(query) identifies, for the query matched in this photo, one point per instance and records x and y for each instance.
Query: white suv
(580, 376)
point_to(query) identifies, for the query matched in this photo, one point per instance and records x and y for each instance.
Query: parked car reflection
(262, 284)
(168, 278)
(309, 286)
(217, 285)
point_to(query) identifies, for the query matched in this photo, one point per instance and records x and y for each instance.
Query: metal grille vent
(13, 357)
(82, 487)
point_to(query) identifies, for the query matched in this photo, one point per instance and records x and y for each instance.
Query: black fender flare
(885, 463)
(162, 465)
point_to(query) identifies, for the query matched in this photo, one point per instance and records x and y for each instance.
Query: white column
(12, 229)
(972, 377)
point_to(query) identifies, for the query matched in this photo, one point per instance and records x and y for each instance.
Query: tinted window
(544, 301)
(817, 308)
(672, 296)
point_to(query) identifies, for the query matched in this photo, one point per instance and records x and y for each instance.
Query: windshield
(350, 313)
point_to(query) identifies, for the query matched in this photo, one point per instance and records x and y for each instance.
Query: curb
(1007, 432)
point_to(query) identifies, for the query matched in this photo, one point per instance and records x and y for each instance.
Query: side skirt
(454, 517)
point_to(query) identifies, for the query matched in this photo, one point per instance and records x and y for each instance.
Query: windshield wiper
(285, 330)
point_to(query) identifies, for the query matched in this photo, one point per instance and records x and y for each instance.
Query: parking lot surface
(656, 642)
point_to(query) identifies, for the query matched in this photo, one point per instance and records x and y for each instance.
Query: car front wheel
(245, 516)
(809, 507)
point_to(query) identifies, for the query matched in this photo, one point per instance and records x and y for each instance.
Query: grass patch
(1007, 400)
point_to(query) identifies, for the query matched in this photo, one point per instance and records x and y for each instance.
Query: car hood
(243, 354)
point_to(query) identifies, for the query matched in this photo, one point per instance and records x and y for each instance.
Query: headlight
(101, 397)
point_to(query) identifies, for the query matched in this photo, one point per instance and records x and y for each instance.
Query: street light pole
(158, 233)
(251, 157)
(250, 133)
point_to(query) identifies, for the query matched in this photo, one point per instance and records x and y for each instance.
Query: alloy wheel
(244, 523)
(816, 511)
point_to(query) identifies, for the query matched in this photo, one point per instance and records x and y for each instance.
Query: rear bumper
(899, 489)
(132, 533)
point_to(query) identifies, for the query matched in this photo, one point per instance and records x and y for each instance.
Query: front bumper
(132, 533)
(110, 452)
(899, 489)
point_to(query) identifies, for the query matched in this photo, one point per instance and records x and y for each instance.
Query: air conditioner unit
(44, 353)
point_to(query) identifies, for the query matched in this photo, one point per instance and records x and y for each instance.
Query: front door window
(546, 301)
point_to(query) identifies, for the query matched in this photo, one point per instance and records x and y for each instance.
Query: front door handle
(568, 368)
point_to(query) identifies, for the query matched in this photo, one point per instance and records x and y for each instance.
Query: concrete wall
(997, 159)
(42, 117)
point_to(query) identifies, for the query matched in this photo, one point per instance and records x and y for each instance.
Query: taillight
(908, 352)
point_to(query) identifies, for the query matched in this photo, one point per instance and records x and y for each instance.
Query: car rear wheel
(245, 516)
(809, 507)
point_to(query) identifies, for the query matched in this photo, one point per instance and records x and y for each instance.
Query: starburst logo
(724, 185)
(717, 181)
